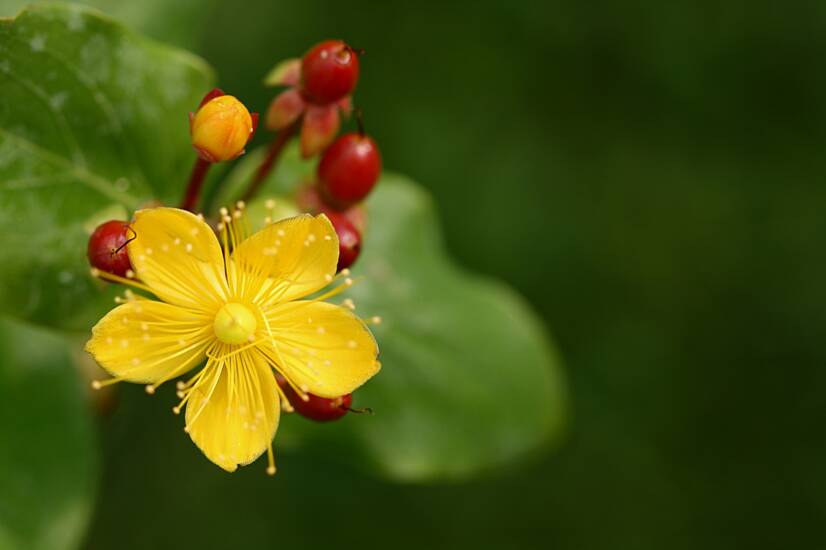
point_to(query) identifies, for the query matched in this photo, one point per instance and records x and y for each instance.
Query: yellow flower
(251, 310)
(221, 128)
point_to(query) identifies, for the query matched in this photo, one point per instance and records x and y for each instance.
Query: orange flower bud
(221, 129)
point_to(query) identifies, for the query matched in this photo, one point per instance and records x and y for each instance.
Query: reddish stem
(196, 181)
(360, 122)
(267, 165)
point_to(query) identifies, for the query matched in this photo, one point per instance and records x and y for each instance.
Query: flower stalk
(269, 162)
(196, 182)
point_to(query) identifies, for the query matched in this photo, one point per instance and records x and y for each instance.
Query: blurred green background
(649, 176)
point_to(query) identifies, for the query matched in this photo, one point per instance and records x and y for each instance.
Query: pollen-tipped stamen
(111, 277)
(98, 384)
(270, 460)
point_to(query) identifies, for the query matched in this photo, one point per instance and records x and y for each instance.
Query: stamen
(236, 352)
(285, 403)
(218, 370)
(270, 460)
(335, 291)
(97, 384)
(106, 276)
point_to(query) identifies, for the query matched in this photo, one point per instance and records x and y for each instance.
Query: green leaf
(181, 23)
(470, 380)
(48, 457)
(93, 116)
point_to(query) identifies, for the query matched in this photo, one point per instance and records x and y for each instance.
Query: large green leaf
(470, 379)
(48, 456)
(93, 119)
(181, 22)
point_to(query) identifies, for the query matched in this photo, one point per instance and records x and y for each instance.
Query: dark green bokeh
(649, 176)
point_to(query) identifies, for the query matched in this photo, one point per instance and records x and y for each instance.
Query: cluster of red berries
(320, 86)
(350, 166)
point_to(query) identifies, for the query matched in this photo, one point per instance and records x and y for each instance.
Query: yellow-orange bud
(221, 129)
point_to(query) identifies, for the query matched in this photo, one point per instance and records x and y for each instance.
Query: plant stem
(274, 152)
(196, 181)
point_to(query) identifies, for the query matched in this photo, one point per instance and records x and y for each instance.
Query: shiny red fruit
(349, 239)
(329, 72)
(107, 247)
(316, 408)
(349, 169)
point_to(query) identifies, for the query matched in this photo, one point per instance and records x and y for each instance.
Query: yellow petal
(178, 256)
(322, 348)
(232, 416)
(149, 342)
(298, 254)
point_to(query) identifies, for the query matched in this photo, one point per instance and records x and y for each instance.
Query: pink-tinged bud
(285, 109)
(221, 128)
(319, 129)
(286, 73)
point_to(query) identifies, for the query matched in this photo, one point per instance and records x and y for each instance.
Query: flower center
(234, 323)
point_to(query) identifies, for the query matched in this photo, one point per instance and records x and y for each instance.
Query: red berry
(349, 239)
(329, 72)
(316, 408)
(349, 169)
(107, 247)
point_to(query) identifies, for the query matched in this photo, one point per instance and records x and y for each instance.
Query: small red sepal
(254, 118)
(285, 109)
(210, 95)
(286, 73)
(319, 129)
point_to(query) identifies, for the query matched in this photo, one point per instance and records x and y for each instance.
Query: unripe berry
(329, 72)
(320, 409)
(107, 247)
(221, 128)
(349, 169)
(349, 239)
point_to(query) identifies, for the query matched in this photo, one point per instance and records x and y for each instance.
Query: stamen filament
(111, 277)
(270, 460)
